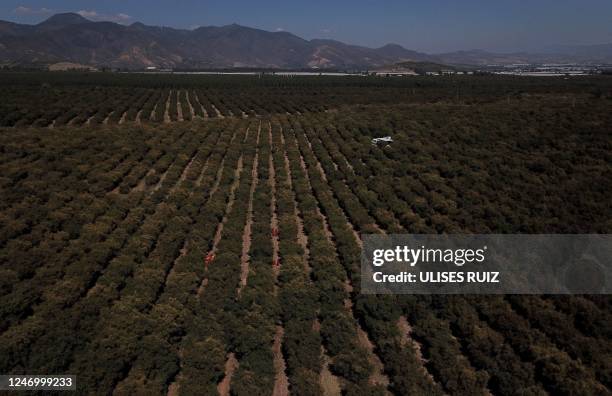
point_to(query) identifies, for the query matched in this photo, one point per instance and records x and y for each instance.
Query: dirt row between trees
(184, 173)
(179, 107)
(324, 176)
(162, 177)
(281, 382)
(273, 217)
(378, 377)
(167, 118)
(191, 110)
(105, 122)
(198, 181)
(122, 119)
(230, 368)
(407, 341)
(213, 190)
(232, 364)
(219, 231)
(181, 114)
(219, 114)
(170, 271)
(185, 247)
(328, 233)
(142, 186)
(302, 239)
(246, 237)
(195, 95)
(329, 382)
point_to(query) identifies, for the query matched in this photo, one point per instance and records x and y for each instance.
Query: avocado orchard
(122, 237)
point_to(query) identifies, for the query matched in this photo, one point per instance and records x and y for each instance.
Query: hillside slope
(72, 38)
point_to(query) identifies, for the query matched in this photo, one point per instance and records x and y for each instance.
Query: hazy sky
(430, 26)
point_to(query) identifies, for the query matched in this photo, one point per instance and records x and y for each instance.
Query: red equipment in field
(277, 262)
(210, 257)
(275, 232)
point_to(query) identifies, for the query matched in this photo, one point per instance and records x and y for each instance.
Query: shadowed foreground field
(222, 256)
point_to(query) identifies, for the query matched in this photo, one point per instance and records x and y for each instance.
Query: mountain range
(72, 38)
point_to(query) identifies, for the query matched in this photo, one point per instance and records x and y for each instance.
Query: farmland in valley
(201, 235)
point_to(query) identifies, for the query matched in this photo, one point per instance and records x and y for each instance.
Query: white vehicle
(385, 139)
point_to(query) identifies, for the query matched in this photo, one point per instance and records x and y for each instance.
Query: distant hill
(598, 52)
(595, 54)
(71, 38)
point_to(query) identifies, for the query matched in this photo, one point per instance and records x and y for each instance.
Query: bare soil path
(246, 236)
(71, 122)
(273, 217)
(185, 171)
(281, 382)
(122, 119)
(191, 110)
(329, 382)
(152, 115)
(378, 376)
(142, 185)
(302, 239)
(161, 179)
(219, 114)
(407, 341)
(167, 119)
(179, 107)
(197, 98)
(198, 182)
(231, 365)
(328, 233)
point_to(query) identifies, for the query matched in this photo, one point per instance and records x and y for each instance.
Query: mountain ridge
(69, 37)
